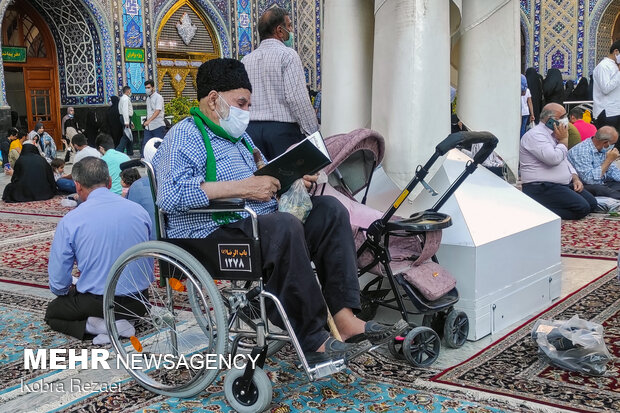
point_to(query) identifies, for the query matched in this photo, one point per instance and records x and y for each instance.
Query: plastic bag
(296, 201)
(530, 126)
(574, 344)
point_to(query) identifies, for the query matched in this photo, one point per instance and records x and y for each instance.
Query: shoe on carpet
(337, 350)
(378, 333)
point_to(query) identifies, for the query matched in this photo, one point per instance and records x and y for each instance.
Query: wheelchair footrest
(326, 368)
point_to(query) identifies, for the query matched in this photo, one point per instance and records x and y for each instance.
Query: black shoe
(337, 350)
(379, 334)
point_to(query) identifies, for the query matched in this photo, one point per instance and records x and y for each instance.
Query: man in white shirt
(281, 112)
(154, 126)
(125, 108)
(606, 89)
(80, 144)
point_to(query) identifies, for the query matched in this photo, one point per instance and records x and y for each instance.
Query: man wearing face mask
(606, 89)
(125, 109)
(154, 126)
(594, 161)
(281, 113)
(208, 156)
(547, 175)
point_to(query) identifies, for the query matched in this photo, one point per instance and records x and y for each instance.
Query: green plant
(179, 108)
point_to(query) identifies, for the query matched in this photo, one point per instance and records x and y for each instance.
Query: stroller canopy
(354, 157)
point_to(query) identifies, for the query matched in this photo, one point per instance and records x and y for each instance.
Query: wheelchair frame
(237, 303)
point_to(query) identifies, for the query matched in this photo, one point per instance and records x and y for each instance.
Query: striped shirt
(279, 90)
(180, 168)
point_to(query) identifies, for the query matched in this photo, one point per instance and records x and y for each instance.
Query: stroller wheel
(421, 346)
(456, 329)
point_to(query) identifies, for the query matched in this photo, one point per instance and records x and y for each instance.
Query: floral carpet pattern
(14, 227)
(25, 262)
(50, 207)
(595, 236)
(511, 366)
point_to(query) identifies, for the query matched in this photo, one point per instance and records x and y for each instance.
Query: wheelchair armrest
(224, 204)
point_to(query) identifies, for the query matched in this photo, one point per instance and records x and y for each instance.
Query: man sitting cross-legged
(94, 235)
(209, 156)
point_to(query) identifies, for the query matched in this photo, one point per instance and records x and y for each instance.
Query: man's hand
(561, 133)
(146, 123)
(532, 118)
(309, 180)
(260, 188)
(577, 184)
(612, 155)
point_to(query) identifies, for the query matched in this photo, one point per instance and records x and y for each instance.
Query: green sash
(221, 218)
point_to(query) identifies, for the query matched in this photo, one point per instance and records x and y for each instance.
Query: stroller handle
(488, 140)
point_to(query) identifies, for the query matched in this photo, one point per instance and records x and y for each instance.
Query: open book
(306, 158)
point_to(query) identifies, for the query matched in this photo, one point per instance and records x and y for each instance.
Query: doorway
(30, 67)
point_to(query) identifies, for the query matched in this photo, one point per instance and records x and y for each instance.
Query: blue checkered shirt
(587, 160)
(180, 166)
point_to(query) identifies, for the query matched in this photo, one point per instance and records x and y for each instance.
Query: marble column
(411, 81)
(489, 72)
(346, 65)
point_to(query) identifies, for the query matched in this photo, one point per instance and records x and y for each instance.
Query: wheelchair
(180, 314)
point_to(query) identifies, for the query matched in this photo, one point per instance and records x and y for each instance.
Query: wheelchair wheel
(455, 329)
(170, 329)
(257, 399)
(421, 346)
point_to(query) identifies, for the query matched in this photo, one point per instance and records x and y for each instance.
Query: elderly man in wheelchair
(227, 219)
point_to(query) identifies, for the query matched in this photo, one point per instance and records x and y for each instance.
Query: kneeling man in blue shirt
(94, 235)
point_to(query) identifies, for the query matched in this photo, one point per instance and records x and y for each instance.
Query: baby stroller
(403, 250)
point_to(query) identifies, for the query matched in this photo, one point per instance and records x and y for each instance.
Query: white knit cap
(150, 148)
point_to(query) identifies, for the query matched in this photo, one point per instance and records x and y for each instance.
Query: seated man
(80, 145)
(547, 175)
(586, 130)
(113, 158)
(94, 235)
(595, 163)
(209, 156)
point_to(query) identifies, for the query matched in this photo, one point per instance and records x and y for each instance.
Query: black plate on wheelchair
(421, 222)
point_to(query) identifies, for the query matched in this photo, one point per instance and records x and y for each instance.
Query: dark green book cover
(307, 158)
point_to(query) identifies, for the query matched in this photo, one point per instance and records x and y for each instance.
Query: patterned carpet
(345, 391)
(357, 389)
(50, 208)
(596, 236)
(511, 366)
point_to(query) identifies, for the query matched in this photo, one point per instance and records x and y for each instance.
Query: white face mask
(563, 121)
(149, 91)
(618, 59)
(237, 120)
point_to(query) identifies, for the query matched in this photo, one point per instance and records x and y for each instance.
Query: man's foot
(101, 339)
(337, 350)
(96, 326)
(379, 334)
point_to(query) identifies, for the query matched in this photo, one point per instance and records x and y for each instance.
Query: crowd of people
(30, 177)
(566, 163)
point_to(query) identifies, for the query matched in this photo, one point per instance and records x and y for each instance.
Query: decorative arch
(527, 33)
(212, 11)
(601, 22)
(181, 28)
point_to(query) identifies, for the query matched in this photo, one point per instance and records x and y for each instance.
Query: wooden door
(23, 27)
(42, 100)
